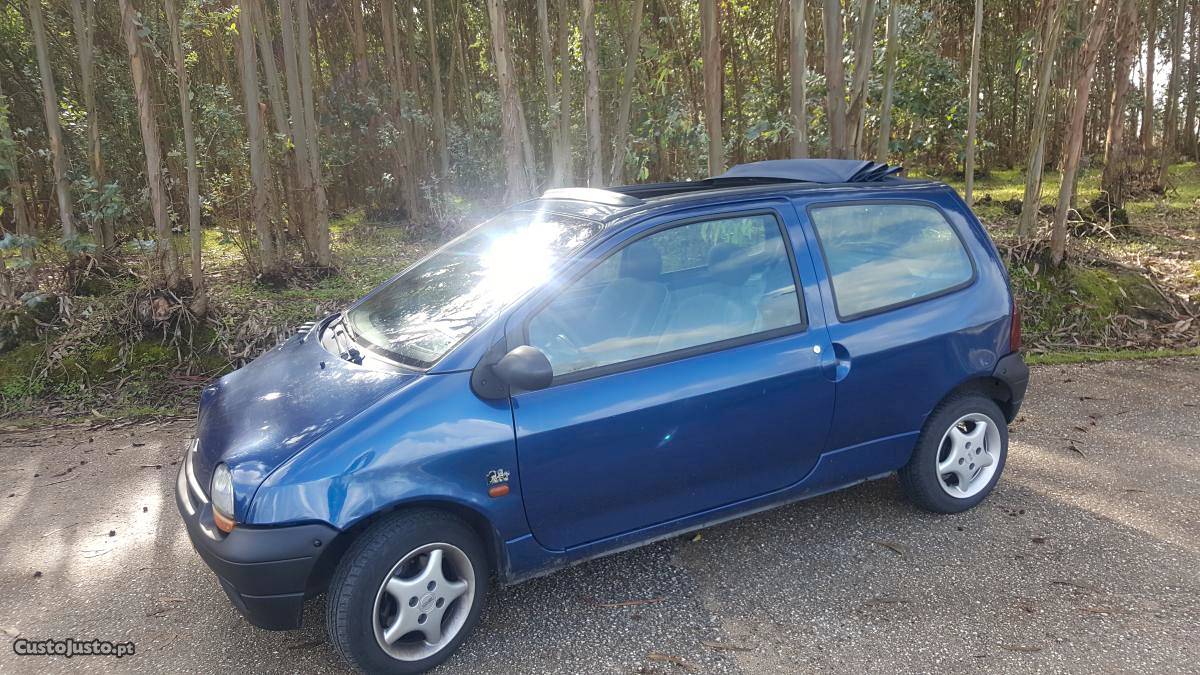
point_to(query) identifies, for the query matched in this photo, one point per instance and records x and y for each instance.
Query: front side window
(683, 287)
(420, 315)
(888, 254)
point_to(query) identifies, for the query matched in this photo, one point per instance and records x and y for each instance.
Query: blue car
(598, 369)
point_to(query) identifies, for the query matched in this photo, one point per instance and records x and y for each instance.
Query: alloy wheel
(968, 455)
(423, 602)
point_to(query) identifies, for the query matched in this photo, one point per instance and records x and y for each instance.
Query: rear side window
(888, 254)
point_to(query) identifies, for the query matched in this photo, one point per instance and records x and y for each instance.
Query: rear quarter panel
(904, 361)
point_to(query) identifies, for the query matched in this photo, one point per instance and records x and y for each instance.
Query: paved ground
(1085, 559)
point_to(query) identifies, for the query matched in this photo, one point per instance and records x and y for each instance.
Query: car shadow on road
(1049, 572)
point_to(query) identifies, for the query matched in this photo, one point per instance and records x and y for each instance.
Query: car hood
(257, 417)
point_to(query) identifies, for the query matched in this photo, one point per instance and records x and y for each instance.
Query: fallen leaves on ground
(673, 660)
(1026, 649)
(891, 546)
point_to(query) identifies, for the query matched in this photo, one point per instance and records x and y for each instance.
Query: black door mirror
(525, 368)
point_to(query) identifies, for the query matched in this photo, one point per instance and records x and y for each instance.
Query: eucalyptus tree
(628, 82)
(1171, 116)
(1051, 12)
(593, 163)
(714, 95)
(1075, 128)
(889, 82)
(269, 255)
(1115, 163)
(50, 110)
(835, 78)
(972, 103)
(199, 304)
(519, 183)
(164, 250)
(798, 60)
(83, 16)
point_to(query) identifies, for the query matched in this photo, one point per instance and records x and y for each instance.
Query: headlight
(221, 494)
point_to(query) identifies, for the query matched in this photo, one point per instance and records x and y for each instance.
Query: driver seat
(629, 305)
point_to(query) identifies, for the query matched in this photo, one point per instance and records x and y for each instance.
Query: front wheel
(959, 455)
(407, 593)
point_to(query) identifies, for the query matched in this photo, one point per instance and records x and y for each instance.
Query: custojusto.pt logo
(71, 647)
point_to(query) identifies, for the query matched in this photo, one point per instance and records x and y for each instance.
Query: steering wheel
(563, 339)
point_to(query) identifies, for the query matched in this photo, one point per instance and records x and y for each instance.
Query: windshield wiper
(344, 342)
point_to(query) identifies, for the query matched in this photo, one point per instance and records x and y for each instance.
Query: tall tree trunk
(405, 170)
(261, 21)
(714, 86)
(359, 41)
(297, 129)
(518, 180)
(58, 152)
(435, 74)
(1126, 28)
(550, 90)
(1074, 144)
(591, 94)
(320, 215)
(8, 163)
(864, 58)
(84, 20)
(798, 58)
(1171, 119)
(199, 305)
(269, 256)
(973, 102)
(1047, 44)
(889, 57)
(835, 78)
(164, 251)
(1148, 82)
(632, 52)
(415, 122)
(1189, 119)
(564, 94)
(16, 187)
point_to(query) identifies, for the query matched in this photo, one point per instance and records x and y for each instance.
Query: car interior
(629, 307)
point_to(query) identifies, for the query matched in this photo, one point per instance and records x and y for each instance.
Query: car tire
(394, 558)
(959, 455)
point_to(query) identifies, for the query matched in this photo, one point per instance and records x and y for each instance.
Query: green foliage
(100, 203)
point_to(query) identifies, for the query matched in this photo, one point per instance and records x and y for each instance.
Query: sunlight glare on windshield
(516, 261)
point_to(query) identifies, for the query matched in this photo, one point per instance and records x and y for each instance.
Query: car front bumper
(264, 571)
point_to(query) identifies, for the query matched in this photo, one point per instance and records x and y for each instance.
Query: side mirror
(525, 368)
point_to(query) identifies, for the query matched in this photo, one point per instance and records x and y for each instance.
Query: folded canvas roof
(813, 171)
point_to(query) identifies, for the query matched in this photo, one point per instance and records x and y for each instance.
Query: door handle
(841, 361)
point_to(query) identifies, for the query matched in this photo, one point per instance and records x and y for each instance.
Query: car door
(686, 377)
(905, 315)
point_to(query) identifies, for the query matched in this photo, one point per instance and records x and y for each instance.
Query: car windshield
(423, 313)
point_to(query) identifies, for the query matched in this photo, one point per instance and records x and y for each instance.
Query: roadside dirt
(1083, 560)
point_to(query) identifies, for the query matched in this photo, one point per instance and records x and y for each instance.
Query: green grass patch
(1071, 357)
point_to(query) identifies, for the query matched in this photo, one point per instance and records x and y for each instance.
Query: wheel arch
(990, 387)
(483, 527)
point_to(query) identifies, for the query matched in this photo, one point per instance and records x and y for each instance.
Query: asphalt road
(1085, 559)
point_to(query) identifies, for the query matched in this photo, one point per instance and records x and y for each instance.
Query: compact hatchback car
(597, 369)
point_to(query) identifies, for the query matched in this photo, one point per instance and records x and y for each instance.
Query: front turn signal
(224, 523)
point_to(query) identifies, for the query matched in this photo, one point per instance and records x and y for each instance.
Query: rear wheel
(407, 593)
(959, 455)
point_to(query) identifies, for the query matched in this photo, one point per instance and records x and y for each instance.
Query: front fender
(433, 441)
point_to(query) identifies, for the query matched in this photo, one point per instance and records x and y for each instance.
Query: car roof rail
(594, 195)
